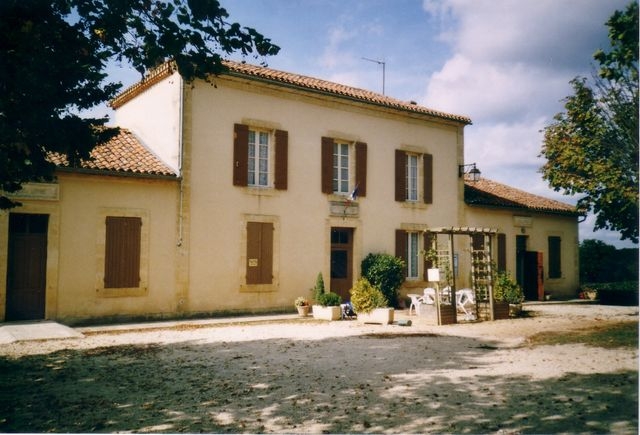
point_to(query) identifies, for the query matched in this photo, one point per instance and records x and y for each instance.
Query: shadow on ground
(341, 385)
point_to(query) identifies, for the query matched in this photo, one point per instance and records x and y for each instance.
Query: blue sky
(504, 63)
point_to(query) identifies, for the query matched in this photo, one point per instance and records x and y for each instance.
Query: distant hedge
(615, 293)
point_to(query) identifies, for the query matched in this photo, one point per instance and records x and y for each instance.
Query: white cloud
(509, 68)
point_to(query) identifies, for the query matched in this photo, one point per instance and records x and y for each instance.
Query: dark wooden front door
(342, 261)
(26, 268)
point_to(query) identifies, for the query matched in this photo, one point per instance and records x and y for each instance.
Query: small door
(27, 266)
(342, 261)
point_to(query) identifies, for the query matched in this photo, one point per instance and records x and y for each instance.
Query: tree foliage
(53, 60)
(600, 262)
(592, 147)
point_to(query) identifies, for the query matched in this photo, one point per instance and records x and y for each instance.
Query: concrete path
(40, 330)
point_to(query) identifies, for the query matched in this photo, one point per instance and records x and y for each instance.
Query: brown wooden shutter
(361, 168)
(282, 159)
(400, 175)
(122, 252)
(502, 252)
(327, 165)
(428, 238)
(555, 258)
(240, 154)
(259, 253)
(428, 178)
(401, 248)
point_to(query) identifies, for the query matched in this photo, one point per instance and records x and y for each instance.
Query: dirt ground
(306, 376)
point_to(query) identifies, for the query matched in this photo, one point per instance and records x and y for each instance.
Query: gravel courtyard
(304, 376)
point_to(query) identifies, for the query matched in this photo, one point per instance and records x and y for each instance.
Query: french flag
(354, 194)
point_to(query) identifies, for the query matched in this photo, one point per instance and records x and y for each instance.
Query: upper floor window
(344, 167)
(413, 177)
(260, 157)
(341, 170)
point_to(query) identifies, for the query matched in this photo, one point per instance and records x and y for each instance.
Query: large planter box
(326, 313)
(383, 316)
(500, 310)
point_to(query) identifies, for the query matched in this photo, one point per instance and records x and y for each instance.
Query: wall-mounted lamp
(472, 171)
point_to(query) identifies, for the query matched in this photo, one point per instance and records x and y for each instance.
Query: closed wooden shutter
(282, 160)
(401, 248)
(428, 239)
(361, 168)
(428, 178)
(259, 253)
(400, 175)
(240, 154)
(555, 270)
(327, 165)
(122, 252)
(502, 252)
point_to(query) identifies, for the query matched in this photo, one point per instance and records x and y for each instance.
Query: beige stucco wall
(155, 118)
(75, 251)
(301, 215)
(538, 227)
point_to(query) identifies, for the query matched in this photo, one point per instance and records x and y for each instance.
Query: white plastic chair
(429, 296)
(416, 301)
(466, 297)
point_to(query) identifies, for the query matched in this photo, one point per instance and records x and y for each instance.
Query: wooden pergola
(481, 264)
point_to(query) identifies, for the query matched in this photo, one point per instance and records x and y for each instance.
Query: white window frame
(254, 170)
(342, 169)
(413, 255)
(412, 176)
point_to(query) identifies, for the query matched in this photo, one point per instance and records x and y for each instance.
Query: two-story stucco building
(232, 196)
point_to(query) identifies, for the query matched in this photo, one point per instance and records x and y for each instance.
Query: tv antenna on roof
(379, 62)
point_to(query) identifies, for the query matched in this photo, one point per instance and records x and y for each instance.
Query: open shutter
(327, 165)
(400, 175)
(240, 154)
(428, 238)
(401, 248)
(282, 159)
(361, 168)
(428, 178)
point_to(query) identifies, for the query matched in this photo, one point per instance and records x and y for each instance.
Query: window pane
(412, 178)
(258, 159)
(341, 168)
(412, 255)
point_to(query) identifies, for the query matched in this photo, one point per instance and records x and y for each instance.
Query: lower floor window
(412, 255)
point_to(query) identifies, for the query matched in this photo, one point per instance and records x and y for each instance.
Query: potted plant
(327, 305)
(302, 304)
(370, 305)
(506, 290)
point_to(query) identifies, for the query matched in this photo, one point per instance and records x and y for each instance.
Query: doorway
(27, 266)
(529, 272)
(341, 261)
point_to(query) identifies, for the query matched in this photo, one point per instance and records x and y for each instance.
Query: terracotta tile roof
(301, 82)
(123, 153)
(489, 193)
